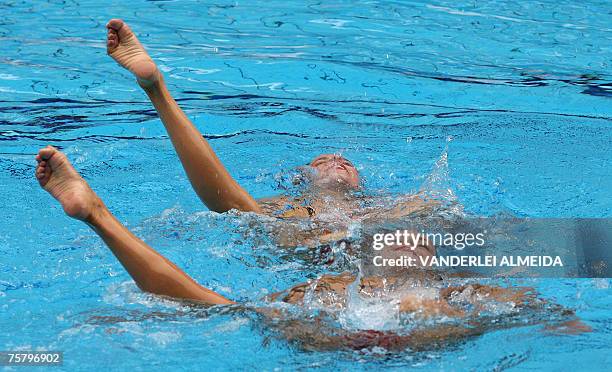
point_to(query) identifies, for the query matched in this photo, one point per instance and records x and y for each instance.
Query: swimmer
(155, 274)
(334, 178)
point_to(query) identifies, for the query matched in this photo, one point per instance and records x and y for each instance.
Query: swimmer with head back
(334, 178)
(155, 274)
(333, 175)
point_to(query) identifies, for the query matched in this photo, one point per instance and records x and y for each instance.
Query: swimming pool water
(518, 93)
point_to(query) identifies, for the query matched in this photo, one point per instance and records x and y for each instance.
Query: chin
(332, 183)
(335, 180)
(336, 185)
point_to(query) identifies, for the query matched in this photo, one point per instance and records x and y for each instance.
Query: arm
(209, 178)
(400, 207)
(151, 271)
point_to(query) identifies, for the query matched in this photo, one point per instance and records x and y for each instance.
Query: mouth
(334, 170)
(330, 171)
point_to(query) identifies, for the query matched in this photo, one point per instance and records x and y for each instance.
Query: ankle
(98, 213)
(153, 84)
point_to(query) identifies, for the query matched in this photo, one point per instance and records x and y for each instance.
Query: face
(405, 250)
(423, 249)
(334, 170)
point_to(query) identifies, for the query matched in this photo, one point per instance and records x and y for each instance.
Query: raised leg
(151, 271)
(209, 178)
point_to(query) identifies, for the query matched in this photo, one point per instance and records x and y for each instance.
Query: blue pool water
(518, 94)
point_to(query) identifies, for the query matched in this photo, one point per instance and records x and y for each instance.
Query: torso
(329, 219)
(424, 300)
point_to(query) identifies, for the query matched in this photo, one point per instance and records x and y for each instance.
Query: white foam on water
(126, 293)
(601, 283)
(165, 338)
(230, 326)
(373, 313)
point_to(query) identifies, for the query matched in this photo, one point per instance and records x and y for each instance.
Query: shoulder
(285, 207)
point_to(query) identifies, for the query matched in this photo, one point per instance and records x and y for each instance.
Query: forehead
(328, 157)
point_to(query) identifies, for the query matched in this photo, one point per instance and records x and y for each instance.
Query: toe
(47, 152)
(112, 40)
(44, 177)
(111, 45)
(40, 172)
(115, 24)
(121, 28)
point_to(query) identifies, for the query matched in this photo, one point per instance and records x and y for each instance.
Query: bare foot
(124, 47)
(56, 175)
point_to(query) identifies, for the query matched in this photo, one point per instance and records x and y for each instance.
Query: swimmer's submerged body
(334, 176)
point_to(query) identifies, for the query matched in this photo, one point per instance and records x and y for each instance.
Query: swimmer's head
(422, 249)
(332, 170)
(416, 248)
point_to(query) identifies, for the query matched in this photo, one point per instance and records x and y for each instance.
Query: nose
(337, 159)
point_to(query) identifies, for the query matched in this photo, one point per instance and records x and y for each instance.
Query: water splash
(379, 313)
(437, 186)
